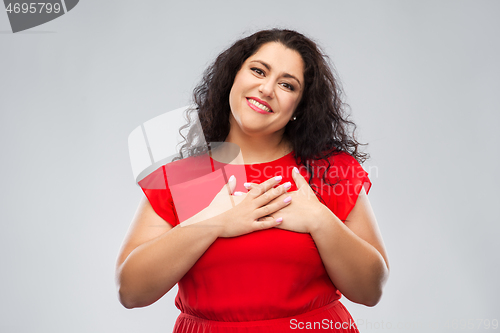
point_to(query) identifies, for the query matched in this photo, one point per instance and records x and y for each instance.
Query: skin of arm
(141, 279)
(353, 253)
(154, 256)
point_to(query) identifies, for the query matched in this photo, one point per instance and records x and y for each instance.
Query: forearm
(356, 268)
(153, 268)
(146, 272)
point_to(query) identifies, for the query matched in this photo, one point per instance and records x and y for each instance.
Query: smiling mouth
(259, 105)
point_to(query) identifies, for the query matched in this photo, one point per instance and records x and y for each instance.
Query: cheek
(290, 104)
(232, 100)
(234, 104)
(235, 91)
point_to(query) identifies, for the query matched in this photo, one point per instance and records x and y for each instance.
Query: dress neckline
(273, 161)
(290, 154)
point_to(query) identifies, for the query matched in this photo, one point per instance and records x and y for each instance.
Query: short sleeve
(155, 187)
(346, 177)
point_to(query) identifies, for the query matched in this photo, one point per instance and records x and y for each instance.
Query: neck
(260, 149)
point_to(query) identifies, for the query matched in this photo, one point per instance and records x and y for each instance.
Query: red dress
(265, 281)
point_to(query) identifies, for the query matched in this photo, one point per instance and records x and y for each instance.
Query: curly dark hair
(322, 127)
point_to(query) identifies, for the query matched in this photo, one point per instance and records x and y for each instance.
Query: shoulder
(340, 166)
(343, 158)
(161, 176)
(340, 179)
(156, 189)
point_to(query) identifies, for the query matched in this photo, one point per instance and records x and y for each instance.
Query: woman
(300, 231)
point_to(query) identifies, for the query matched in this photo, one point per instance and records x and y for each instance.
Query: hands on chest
(304, 209)
(264, 206)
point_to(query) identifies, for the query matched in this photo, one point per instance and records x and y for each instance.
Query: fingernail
(238, 193)
(287, 185)
(231, 178)
(279, 219)
(296, 170)
(278, 178)
(247, 185)
(287, 200)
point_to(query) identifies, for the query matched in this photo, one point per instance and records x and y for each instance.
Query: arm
(353, 253)
(155, 256)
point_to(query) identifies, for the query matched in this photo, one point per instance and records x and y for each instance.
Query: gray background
(422, 78)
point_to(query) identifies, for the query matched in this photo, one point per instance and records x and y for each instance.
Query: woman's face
(266, 91)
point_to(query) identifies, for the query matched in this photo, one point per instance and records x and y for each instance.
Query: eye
(257, 70)
(288, 86)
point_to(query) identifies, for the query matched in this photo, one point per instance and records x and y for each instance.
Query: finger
(273, 207)
(265, 186)
(272, 194)
(266, 218)
(298, 178)
(248, 186)
(268, 223)
(231, 184)
(229, 188)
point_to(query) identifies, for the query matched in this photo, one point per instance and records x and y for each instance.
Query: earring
(293, 118)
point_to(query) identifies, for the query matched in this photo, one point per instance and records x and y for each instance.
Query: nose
(267, 88)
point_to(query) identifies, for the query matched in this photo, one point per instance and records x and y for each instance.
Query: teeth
(260, 106)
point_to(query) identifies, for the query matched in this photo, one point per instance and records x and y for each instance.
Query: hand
(241, 213)
(305, 209)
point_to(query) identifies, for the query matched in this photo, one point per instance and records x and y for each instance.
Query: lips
(259, 105)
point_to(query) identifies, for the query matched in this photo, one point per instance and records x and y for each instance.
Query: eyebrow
(287, 75)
